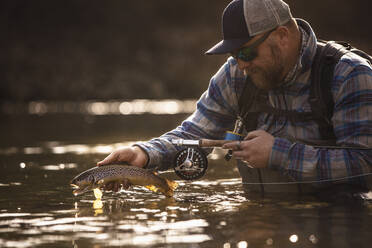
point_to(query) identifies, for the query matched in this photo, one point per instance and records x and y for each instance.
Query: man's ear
(282, 35)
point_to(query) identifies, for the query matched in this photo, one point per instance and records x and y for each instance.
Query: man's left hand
(255, 149)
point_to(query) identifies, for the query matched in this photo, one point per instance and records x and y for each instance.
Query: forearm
(161, 151)
(215, 114)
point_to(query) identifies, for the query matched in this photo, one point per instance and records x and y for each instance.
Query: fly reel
(190, 163)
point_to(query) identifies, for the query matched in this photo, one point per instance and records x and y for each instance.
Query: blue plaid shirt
(217, 110)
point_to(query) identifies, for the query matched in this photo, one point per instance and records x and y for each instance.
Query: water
(40, 152)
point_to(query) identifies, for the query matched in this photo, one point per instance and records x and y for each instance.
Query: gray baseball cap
(244, 19)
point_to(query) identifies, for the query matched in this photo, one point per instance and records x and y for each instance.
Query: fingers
(120, 155)
(108, 160)
(128, 155)
(233, 145)
(238, 149)
(240, 155)
(254, 149)
(254, 134)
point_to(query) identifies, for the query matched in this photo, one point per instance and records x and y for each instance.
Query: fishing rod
(191, 162)
(203, 143)
(209, 143)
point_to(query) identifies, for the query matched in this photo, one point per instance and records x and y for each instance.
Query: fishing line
(310, 182)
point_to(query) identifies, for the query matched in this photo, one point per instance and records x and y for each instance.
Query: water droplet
(313, 239)
(293, 238)
(226, 245)
(269, 241)
(22, 165)
(242, 244)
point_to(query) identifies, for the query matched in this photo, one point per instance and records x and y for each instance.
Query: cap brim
(227, 46)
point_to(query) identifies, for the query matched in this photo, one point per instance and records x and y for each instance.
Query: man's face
(266, 69)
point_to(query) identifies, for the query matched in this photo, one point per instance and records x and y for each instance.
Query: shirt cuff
(279, 154)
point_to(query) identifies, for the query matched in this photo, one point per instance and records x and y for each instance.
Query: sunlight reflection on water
(37, 208)
(137, 215)
(132, 107)
(199, 213)
(58, 148)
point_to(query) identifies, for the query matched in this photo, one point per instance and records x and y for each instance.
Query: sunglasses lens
(247, 54)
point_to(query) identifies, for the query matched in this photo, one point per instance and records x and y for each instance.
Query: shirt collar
(307, 52)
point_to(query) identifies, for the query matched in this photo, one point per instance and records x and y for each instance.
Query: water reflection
(37, 208)
(293, 238)
(133, 107)
(153, 220)
(58, 167)
(242, 244)
(59, 148)
(206, 213)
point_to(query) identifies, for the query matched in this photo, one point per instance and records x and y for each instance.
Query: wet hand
(254, 149)
(131, 155)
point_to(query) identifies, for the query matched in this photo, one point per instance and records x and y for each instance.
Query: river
(44, 145)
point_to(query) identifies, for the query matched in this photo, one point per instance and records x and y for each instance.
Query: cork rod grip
(212, 143)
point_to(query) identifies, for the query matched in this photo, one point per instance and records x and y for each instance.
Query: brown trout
(97, 177)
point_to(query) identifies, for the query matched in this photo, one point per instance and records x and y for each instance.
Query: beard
(270, 77)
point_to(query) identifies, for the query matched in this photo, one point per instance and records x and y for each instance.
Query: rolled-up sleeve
(215, 113)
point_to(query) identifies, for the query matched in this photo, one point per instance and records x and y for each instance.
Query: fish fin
(152, 188)
(172, 185)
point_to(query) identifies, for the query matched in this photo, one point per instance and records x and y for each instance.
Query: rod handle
(212, 143)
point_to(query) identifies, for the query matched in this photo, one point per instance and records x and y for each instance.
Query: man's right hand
(132, 155)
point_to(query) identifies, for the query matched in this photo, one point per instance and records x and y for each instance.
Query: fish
(97, 177)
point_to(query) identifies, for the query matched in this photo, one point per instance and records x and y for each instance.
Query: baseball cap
(244, 19)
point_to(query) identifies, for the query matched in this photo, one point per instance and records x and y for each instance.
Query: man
(274, 52)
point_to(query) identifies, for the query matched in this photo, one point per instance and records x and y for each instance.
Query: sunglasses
(249, 53)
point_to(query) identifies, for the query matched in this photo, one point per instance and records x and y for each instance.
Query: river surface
(42, 150)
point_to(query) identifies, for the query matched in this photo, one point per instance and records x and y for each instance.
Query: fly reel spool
(191, 163)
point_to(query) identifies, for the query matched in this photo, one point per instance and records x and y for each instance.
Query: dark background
(125, 49)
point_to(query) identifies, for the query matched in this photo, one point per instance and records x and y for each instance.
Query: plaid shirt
(217, 110)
